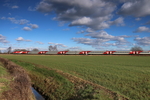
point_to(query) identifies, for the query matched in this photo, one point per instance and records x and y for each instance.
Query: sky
(75, 24)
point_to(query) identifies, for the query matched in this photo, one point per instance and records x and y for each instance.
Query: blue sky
(75, 24)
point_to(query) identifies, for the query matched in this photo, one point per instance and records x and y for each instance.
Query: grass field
(126, 75)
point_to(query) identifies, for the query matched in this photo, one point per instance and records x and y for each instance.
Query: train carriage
(145, 52)
(84, 52)
(62, 52)
(121, 53)
(52, 52)
(42, 52)
(96, 52)
(33, 52)
(73, 52)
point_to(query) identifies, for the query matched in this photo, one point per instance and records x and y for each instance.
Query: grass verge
(4, 80)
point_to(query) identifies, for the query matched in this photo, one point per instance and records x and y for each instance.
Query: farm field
(126, 75)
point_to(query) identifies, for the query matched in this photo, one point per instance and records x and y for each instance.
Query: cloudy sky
(75, 24)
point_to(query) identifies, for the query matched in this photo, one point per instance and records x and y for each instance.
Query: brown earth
(1, 85)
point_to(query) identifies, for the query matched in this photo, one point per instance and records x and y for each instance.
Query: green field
(126, 75)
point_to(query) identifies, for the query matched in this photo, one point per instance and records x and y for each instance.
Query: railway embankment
(18, 86)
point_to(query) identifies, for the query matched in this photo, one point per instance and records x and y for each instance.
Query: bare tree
(20, 50)
(35, 49)
(136, 48)
(66, 50)
(53, 48)
(9, 50)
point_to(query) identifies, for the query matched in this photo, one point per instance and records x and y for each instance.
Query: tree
(9, 50)
(52, 48)
(35, 49)
(20, 50)
(136, 48)
(67, 50)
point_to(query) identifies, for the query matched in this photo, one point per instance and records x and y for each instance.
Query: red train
(85, 52)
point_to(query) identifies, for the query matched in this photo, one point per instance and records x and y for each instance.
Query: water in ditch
(37, 95)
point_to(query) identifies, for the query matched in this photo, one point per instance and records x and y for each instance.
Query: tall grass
(127, 75)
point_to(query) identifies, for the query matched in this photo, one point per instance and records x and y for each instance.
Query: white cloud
(142, 29)
(100, 42)
(100, 34)
(22, 39)
(10, 5)
(44, 7)
(33, 26)
(75, 49)
(15, 21)
(86, 41)
(107, 37)
(145, 41)
(119, 22)
(3, 39)
(98, 23)
(28, 40)
(14, 7)
(27, 29)
(147, 23)
(57, 44)
(2, 49)
(31, 9)
(137, 8)
(3, 18)
(102, 38)
(23, 21)
(39, 42)
(81, 21)
(89, 30)
(94, 14)
(138, 19)
(82, 31)
(61, 23)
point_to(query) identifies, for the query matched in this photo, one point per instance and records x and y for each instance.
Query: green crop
(126, 75)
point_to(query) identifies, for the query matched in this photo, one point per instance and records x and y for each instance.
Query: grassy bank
(15, 82)
(4, 80)
(126, 75)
